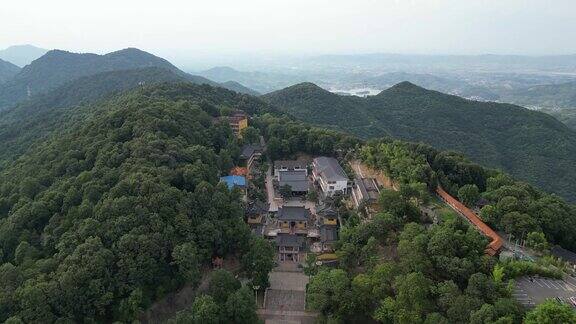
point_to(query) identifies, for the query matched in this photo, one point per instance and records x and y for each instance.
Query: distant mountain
(58, 67)
(21, 55)
(262, 82)
(432, 82)
(544, 96)
(235, 86)
(7, 71)
(531, 145)
(566, 115)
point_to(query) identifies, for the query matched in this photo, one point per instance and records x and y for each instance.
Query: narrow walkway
(286, 317)
(285, 300)
(270, 190)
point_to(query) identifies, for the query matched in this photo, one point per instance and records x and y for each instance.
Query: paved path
(270, 190)
(286, 317)
(288, 280)
(285, 300)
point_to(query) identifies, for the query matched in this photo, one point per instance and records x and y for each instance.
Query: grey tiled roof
(290, 164)
(257, 207)
(293, 213)
(327, 211)
(330, 169)
(328, 234)
(295, 179)
(289, 240)
(249, 149)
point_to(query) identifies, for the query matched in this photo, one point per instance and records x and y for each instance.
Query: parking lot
(535, 290)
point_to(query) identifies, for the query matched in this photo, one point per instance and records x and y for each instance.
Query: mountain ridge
(522, 142)
(46, 112)
(562, 95)
(57, 67)
(7, 70)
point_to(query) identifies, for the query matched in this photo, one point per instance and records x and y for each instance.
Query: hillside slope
(544, 96)
(530, 145)
(120, 207)
(21, 126)
(566, 116)
(7, 71)
(58, 67)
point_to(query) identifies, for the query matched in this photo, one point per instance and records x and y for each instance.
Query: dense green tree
(121, 208)
(328, 291)
(382, 277)
(519, 224)
(551, 312)
(258, 261)
(413, 293)
(187, 259)
(482, 287)
(486, 314)
(205, 310)
(222, 284)
(537, 241)
(241, 307)
(250, 135)
(361, 294)
(435, 318)
(469, 195)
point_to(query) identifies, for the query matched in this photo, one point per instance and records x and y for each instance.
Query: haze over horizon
(183, 31)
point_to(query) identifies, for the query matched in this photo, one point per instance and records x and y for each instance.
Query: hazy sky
(229, 27)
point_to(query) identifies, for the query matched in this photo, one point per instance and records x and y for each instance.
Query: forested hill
(58, 67)
(7, 71)
(544, 96)
(22, 125)
(530, 145)
(120, 207)
(310, 103)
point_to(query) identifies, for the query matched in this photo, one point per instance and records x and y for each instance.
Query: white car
(573, 301)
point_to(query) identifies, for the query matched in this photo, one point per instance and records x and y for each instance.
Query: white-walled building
(328, 173)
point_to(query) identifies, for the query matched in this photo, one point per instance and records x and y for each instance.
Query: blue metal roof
(232, 181)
